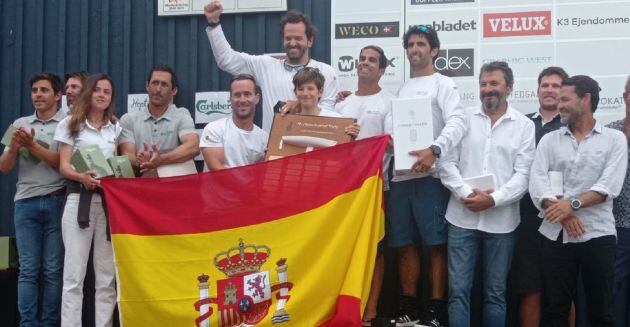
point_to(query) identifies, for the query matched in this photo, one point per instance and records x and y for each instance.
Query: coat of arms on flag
(244, 297)
(214, 249)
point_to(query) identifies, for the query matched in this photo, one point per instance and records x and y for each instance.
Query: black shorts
(527, 261)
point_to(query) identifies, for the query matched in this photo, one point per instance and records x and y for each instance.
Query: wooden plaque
(294, 134)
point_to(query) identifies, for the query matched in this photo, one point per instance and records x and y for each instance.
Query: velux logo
(517, 24)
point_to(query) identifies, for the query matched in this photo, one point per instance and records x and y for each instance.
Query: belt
(61, 191)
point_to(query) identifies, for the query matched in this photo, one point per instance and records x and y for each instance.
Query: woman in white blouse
(84, 219)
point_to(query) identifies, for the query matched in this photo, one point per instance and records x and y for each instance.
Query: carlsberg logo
(213, 107)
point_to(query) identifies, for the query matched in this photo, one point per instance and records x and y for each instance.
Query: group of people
(545, 237)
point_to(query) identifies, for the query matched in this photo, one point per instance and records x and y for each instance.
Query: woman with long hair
(84, 219)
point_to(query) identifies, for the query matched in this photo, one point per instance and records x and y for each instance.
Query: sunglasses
(294, 69)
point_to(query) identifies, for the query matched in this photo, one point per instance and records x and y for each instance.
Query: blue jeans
(496, 254)
(40, 249)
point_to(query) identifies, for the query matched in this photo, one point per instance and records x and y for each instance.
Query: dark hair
(306, 75)
(293, 17)
(164, 68)
(426, 30)
(81, 75)
(583, 84)
(553, 70)
(244, 77)
(55, 81)
(83, 104)
(508, 76)
(382, 60)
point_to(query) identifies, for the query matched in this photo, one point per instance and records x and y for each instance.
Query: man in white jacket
(273, 75)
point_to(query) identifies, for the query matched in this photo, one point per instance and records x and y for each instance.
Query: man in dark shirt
(526, 266)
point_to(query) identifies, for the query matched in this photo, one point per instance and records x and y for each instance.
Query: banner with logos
(137, 102)
(210, 106)
(583, 37)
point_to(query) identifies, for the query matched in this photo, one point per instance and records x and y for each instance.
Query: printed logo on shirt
(517, 24)
(366, 30)
(455, 62)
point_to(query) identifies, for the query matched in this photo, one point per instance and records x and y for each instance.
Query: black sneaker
(407, 311)
(434, 315)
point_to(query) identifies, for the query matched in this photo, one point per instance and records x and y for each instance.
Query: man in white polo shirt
(273, 75)
(235, 141)
(499, 144)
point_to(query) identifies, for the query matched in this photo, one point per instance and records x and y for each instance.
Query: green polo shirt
(37, 179)
(166, 131)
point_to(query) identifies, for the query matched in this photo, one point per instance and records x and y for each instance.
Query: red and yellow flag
(289, 242)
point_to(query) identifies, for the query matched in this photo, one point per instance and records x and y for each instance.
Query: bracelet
(213, 25)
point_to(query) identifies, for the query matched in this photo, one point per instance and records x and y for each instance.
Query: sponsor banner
(345, 61)
(611, 106)
(436, 2)
(137, 102)
(367, 30)
(453, 26)
(515, 3)
(354, 9)
(522, 23)
(524, 96)
(581, 21)
(604, 58)
(468, 92)
(526, 60)
(456, 62)
(210, 106)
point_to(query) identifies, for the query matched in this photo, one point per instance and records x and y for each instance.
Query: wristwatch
(436, 150)
(576, 204)
(213, 25)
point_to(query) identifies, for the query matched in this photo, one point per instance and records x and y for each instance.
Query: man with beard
(235, 141)
(499, 144)
(162, 133)
(74, 84)
(275, 76)
(526, 267)
(578, 227)
(418, 200)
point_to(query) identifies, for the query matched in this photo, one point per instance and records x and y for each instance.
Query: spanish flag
(289, 242)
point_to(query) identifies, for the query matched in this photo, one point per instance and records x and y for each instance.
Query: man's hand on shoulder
(213, 12)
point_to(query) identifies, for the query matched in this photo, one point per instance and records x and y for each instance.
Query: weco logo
(433, 2)
(455, 62)
(366, 30)
(348, 63)
(517, 24)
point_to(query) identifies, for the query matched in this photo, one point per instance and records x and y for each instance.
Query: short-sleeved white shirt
(372, 112)
(240, 147)
(105, 138)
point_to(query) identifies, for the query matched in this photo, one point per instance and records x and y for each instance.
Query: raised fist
(213, 11)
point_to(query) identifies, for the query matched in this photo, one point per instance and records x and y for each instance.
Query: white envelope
(483, 182)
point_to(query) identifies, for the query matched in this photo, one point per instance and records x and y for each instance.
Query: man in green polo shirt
(39, 199)
(163, 133)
